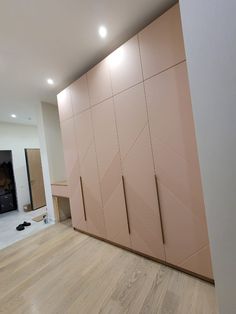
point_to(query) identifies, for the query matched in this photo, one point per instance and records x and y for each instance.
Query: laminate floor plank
(20, 270)
(59, 270)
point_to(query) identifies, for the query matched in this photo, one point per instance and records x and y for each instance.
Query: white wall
(51, 150)
(54, 142)
(210, 39)
(16, 137)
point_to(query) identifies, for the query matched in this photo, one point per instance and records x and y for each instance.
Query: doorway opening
(8, 199)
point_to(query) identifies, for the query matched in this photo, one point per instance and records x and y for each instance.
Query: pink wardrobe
(130, 150)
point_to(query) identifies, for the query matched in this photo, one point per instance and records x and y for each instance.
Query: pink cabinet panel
(84, 132)
(99, 82)
(177, 167)
(79, 95)
(72, 173)
(89, 174)
(105, 135)
(185, 234)
(125, 66)
(138, 170)
(161, 43)
(125, 123)
(130, 101)
(64, 104)
(110, 174)
(199, 263)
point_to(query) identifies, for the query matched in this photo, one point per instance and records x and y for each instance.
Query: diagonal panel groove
(135, 141)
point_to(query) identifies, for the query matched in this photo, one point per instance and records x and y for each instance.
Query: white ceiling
(58, 39)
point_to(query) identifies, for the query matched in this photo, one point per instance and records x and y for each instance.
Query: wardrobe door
(64, 104)
(99, 82)
(79, 95)
(109, 166)
(125, 66)
(72, 173)
(138, 171)
(177, 167)
(161, 43)
(89, 175)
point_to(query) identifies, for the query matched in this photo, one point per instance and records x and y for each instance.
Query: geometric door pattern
(110, 175)
(131, 116)
(177, 168)
(71, 159)
(138, 171)
(89, 174)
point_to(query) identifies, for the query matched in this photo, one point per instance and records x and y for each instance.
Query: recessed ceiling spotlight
(50, 81)
(13, 115)
(102, 31)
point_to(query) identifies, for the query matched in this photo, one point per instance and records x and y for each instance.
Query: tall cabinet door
(161, 43)
(79, 95)
(177, 167)
(89, 174)
(125, 66)
(71, 160)
(138, 171)
(64, 104)
(99, 82)
(110, 174)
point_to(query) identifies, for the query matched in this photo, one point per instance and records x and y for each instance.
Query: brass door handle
(82, 192)
(159, 206)
(126, 206)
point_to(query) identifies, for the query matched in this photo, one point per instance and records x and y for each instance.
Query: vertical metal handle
(126, 206)
(159, 206)
(82, 192)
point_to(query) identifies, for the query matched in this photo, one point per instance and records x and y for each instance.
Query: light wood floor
(60, 270)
